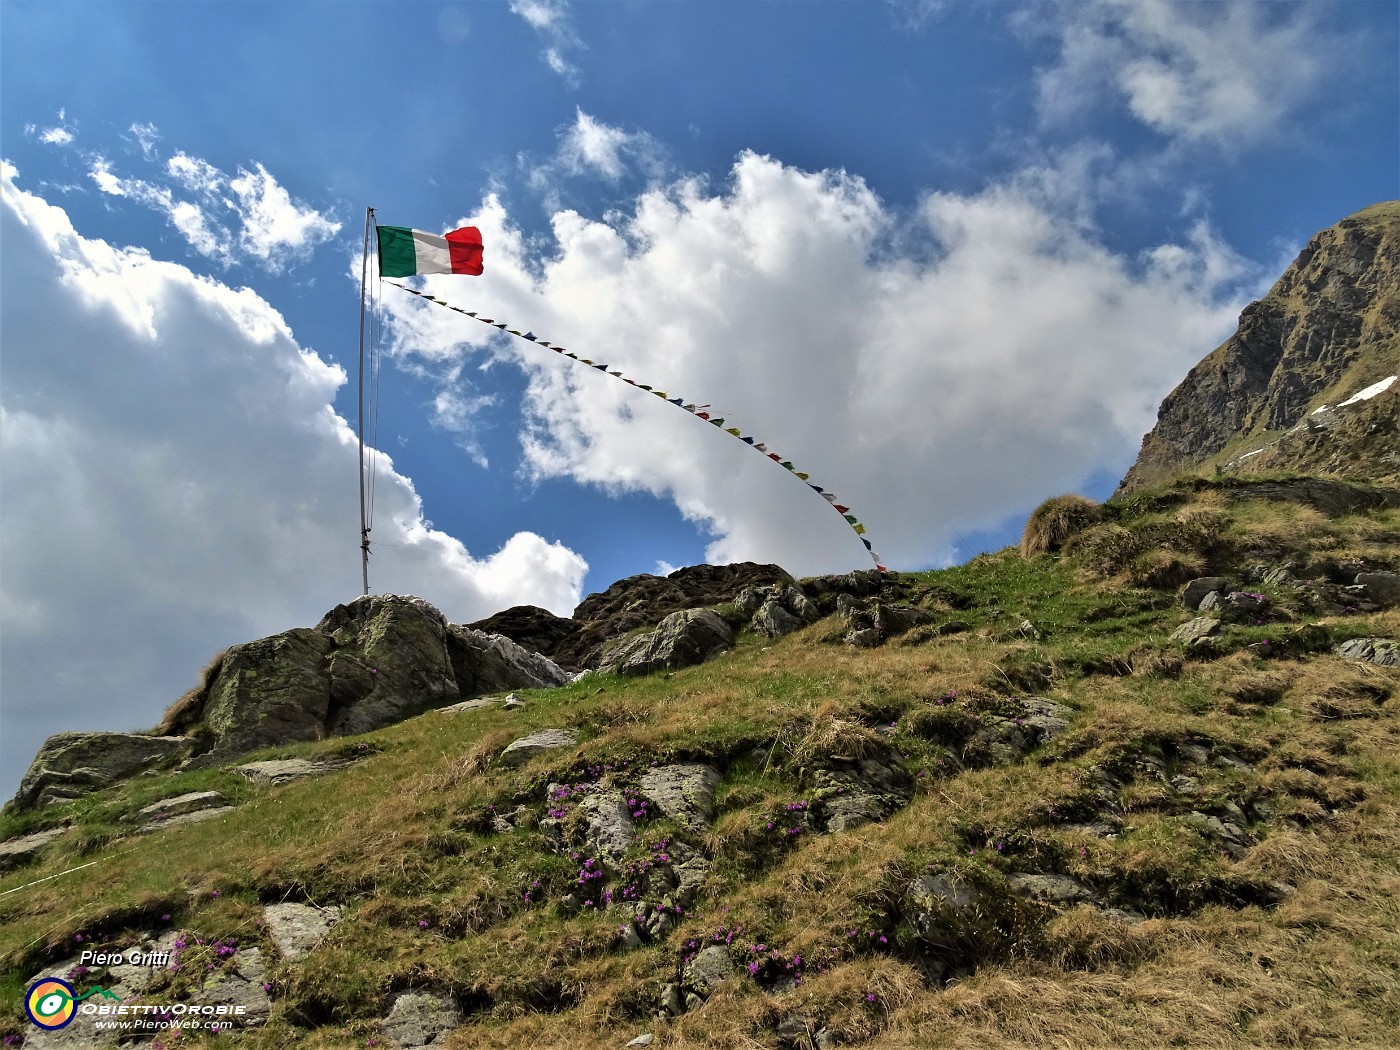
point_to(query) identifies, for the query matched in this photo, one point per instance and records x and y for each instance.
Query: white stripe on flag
(430, 253)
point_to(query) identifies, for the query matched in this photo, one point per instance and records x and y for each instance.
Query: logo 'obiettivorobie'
(52, 1003)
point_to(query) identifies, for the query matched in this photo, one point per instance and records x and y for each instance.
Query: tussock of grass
(1056, 521)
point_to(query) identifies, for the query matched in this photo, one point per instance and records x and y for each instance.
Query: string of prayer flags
(698, 411)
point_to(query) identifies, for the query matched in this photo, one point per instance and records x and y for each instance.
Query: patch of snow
(1248, 454)
(1321, 408)
(1370, 392)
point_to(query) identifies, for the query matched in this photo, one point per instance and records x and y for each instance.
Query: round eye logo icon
(49, 1003)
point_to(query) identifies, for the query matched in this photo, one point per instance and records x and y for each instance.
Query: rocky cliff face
(1328, 330)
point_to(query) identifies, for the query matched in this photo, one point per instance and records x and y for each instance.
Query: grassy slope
(436, 900)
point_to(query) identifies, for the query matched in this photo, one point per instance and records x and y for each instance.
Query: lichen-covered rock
(872, 623)
(610, 825)
(69, 765)
(285, 770)
(855, 792)
(421, 1019)
(17, 851)
(708, 970)
(773, 621)
(1195, 631)
(1194, 592)
(491, 663)
(270, 691)
(1383, 588)
(682, 639)
(1052, 889)
(402, 642)
(1236, 606)
(191, 808)
(187, 803)
(1383, 651)
(527, 747)
(685, 792)
(942, 908)
(239, 985)
(297, 928)
(1006, 738)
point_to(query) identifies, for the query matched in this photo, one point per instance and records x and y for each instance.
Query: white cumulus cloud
(176, 480)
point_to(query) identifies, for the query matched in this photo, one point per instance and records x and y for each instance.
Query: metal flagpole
(364, 514)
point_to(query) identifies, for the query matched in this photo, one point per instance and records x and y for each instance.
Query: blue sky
(947, 257)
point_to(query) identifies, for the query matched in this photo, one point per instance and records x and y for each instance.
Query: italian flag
(406, 253)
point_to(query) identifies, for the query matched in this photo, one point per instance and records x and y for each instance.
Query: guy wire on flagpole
(360, 428)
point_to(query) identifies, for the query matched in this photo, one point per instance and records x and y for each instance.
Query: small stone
(645, 1039)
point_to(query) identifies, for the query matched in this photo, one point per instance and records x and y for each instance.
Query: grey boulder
(682, 639)
(69, 765)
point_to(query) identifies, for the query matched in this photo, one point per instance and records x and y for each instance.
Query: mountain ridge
(1329, 327)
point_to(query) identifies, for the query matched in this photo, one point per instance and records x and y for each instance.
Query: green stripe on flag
(397, 256)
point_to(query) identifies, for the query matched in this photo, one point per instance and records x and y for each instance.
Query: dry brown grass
(185, 713)
(1053, 523)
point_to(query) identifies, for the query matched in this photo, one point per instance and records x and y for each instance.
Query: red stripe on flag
(465, 250)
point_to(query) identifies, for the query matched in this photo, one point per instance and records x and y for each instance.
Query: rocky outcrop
(1326, 331)
(680, 640)
(490, 663)
(644, 601)
(69, 765)
(367, 664)
(538, 630)
(270, 691)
